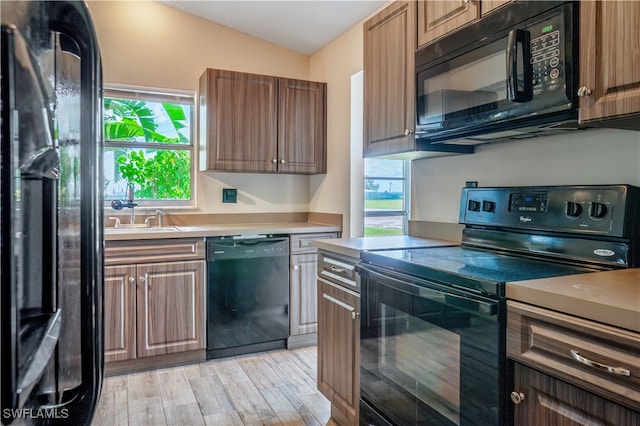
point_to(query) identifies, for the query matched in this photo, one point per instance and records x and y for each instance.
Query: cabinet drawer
(302, 243)
(602, 359)
(160, 250)
(338, 269)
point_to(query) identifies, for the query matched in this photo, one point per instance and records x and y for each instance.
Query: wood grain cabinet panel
(238, 121)
(301, 126)
(490, 5)
(303, 315)
(437, 18)
(547, 401)
(170, 307)
(389, 80)
(119, 313)
(258, 123)
(339, 350)
(610, 63)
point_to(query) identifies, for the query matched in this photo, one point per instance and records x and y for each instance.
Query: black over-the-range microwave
(511, 75)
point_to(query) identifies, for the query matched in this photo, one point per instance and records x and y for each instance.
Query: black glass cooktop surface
(463, 263)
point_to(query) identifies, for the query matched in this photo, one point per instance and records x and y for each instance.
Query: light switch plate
(229, 195)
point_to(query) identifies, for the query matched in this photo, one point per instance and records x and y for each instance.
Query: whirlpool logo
(525, 219)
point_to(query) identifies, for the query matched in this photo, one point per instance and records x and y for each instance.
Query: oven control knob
(517, 397)
(573, 209)
(597, 210)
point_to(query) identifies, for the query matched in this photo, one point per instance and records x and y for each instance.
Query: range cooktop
(469, 267)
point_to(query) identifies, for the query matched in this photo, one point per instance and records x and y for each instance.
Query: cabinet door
(301, 126)
(170, 307)
(609, 60)
(303, 312)
(238, 121)
(549, 402)
(436, 18)
(119, 313)
(339, 348)
(490, 5)
(389, 80)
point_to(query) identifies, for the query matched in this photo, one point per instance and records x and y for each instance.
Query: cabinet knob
(408, 132)
(295, 267)
(282, 161)
(143, 279)
(517, 397)
(132, 280)
(584, 91)
(274, 160)
(355, 314)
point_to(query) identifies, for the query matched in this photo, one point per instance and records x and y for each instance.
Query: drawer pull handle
(338, 270)
(614, 370)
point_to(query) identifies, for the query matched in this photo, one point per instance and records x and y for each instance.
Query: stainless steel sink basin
(123, 228)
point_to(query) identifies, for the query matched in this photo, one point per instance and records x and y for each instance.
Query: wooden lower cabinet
(153, 309)
(119, 312)
(170, 308)
(303, 314)
(547, 401)
(339, 350)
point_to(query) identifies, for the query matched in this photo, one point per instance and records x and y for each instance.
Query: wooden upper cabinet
(437, 18)
(610, 62)
(491, 5)
(238, 121)
(389, 80)
(301, 126)
(259, 123)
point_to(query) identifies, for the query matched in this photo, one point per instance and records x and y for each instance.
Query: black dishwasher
(247, 294)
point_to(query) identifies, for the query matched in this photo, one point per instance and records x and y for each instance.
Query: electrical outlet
(229, 195)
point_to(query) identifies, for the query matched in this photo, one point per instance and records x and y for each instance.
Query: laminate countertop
(353, 246)
(610, 297)
(111, 234)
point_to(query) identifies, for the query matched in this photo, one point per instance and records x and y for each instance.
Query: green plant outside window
(148, 142)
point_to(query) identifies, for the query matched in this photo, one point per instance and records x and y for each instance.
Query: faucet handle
(148, 220)
(160, 216)
(116, 225)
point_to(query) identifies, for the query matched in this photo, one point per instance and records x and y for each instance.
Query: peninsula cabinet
(609, 86)
(153, 300)
(389, 80)
(571, 371)
(339, 336)
(259, 123)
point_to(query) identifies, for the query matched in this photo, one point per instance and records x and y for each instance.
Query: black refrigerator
(51, 242)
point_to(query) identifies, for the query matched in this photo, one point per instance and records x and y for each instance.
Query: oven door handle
(433, 291)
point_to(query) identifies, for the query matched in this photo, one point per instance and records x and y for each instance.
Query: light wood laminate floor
(269, 388)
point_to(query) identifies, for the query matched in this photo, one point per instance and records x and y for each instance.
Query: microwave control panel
(547, 55)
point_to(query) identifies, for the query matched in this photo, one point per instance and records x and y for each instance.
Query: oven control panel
(606, 210)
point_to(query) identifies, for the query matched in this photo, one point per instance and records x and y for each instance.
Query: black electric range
(433, 320)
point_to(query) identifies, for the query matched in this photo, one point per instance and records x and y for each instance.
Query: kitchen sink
(124, 228)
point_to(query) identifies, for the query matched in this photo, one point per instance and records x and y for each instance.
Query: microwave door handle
(519, 92)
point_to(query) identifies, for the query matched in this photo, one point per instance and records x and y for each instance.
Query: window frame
(406, 187)
(149, 94)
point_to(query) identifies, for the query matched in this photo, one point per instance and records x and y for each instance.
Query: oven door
(430, 354)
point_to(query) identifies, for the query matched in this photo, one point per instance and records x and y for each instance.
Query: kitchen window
(148, 142)
(385, 196)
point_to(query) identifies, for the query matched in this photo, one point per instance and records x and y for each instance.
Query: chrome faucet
(160, 216)
(119, 205)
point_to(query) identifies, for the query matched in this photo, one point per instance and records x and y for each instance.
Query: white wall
(589, 157)
(335, 64)
(145, 43)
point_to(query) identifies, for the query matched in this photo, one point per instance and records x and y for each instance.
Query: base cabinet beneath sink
(153, 309)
